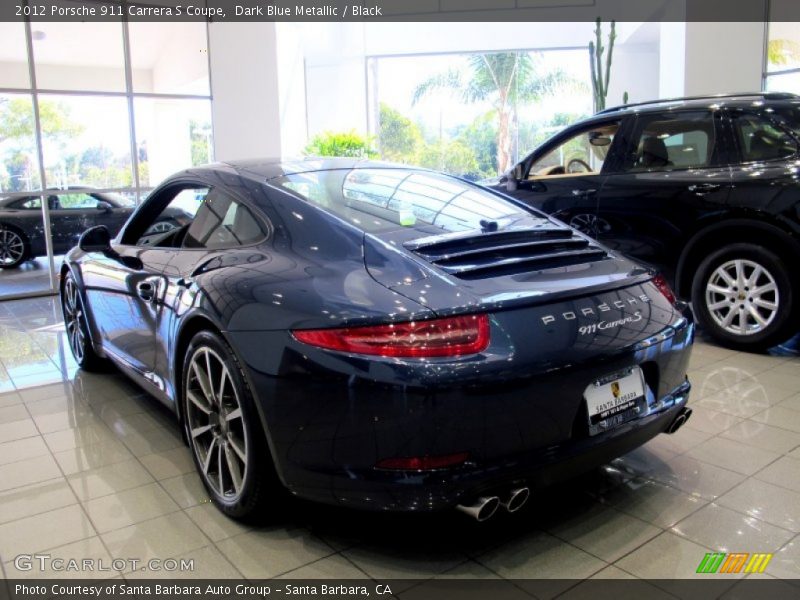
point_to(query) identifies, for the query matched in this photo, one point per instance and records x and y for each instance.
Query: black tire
(239, 439)
(78, 337)
(15, 248)
(761, 320)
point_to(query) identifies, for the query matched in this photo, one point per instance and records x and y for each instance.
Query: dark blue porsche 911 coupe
(378, 336)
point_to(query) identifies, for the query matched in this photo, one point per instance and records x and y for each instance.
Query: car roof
(736, 100)
(265, 169)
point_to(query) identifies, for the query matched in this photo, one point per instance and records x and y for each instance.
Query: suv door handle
(146, 290)
(583, 193)
(704, 188)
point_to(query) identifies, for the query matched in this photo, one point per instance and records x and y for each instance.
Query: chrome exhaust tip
(482, 509)
(680, 420)
(516, 499)
(676, 424)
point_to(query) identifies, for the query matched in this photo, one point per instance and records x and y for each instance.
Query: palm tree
(502, 78)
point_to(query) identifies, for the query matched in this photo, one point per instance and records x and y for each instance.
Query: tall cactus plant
(599, 78)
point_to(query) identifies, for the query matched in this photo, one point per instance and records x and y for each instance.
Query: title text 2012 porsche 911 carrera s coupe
(378, 336)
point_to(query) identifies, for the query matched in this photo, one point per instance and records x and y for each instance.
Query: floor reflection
(91, 466)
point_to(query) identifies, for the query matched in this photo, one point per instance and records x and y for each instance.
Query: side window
(664, 142)
(166, 227)
(582, 154)
(221, 222)
(72, 202)
(29, 203)
(760, 140)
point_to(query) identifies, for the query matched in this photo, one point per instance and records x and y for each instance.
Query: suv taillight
(661, 283)
(451, 336)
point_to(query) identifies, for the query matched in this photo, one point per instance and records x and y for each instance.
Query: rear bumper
(327, 434)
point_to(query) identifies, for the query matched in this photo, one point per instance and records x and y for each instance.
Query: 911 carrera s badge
(603, 325)
(572, 315)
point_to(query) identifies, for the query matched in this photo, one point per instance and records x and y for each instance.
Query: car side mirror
(95, 239)
(103, 206)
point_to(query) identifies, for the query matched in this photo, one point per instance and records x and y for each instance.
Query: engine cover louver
(471, 256)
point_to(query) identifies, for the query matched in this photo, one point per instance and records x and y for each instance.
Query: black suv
(707, 190)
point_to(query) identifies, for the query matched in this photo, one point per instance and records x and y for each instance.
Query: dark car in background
(72, 211)
(706, 190)
(378, 336)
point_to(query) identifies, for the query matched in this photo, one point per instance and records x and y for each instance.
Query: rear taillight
(452, 336)
(423, 463)
(661, 283)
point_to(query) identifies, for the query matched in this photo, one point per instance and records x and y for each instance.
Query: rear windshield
(379, 199)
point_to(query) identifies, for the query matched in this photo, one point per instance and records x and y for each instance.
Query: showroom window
(474, 114)
(109, 107)
(782, 60)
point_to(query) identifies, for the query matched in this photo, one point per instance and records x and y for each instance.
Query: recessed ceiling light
(38, 36)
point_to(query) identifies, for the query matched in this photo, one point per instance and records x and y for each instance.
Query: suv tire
(743, 296)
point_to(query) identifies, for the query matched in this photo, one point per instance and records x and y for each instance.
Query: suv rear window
(381, 199)
(761, 140)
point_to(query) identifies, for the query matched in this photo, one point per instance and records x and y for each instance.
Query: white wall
(244, 85)
(634, 69)
(672, 60)
(723, 57)
(291, 89)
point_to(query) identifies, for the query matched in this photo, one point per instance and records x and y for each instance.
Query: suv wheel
(743, 296)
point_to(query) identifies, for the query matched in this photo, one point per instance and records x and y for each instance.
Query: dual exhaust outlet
(485, 507)
(680, 420)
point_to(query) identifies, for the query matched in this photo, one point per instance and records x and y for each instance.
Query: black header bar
(401, 10)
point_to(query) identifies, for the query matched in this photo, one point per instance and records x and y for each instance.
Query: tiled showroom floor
(90, 467)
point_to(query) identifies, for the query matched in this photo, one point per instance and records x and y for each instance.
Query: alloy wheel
(742, 297)
(12, 247)
(216, 423)
(73, 317)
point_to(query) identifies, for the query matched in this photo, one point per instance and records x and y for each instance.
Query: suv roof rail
(765, 95)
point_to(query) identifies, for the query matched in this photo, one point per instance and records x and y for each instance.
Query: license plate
(615, 399)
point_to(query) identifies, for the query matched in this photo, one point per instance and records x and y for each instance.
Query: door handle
(146, 290)
(583, 193)
(704, 188)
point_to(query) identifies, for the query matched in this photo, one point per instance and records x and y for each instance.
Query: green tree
(17, 134)
(347, 143)
(399, 138)
(200, 135)
(449, 156)
(782, 52)
(17, 124)
(480, 137)
(505, 79)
